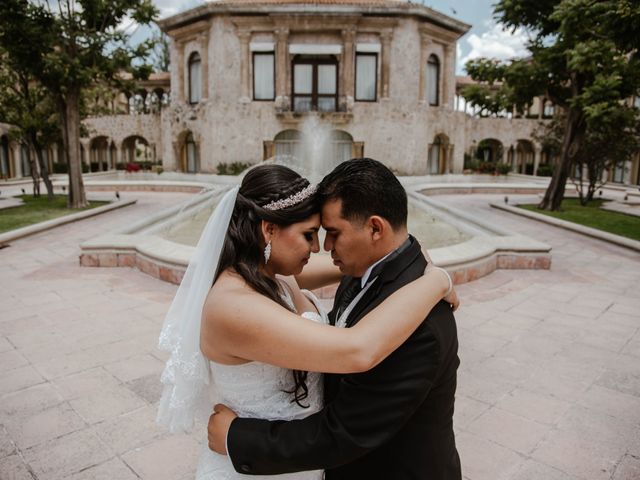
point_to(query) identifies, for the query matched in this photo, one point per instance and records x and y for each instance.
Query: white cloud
(496, 43)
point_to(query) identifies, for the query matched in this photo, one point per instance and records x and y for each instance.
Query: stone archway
(99, 154)
(490, 150)
(6, 160)
(136, 149)
(439, 157)
(525, 157)
(187, 152)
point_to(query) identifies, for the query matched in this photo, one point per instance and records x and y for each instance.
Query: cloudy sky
(485, 39)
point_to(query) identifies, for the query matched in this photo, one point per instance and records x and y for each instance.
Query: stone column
(204, 55)
(180, 67)
(448, 75)
(54, 149)
(386, 37)
(424, 46)
(536, 158)
(282, 68)
(348, 65)
(17, 160)
(245, 59)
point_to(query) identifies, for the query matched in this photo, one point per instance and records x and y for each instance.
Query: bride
(243, 331)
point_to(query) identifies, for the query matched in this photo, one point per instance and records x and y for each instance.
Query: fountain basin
(476, 250)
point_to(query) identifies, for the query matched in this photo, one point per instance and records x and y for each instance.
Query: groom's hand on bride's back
(219, 423)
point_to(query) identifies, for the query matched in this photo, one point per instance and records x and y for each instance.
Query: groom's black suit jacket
(394, 422)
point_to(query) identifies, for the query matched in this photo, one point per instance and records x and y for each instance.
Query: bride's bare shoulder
(229, 294)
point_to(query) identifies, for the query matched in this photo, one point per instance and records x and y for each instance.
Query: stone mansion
(246, 75)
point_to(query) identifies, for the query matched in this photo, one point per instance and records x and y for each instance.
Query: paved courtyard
(549, 385)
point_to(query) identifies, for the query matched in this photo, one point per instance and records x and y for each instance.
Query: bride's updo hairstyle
(244, 245)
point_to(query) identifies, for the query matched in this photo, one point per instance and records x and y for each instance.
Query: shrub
(545, 170)
(60, 168)
(121, 166)
(503, 168)
(486, 167)
(234, 168)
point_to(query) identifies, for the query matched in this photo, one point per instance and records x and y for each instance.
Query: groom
(395, 421)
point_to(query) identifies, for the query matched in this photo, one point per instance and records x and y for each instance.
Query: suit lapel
(392, 269)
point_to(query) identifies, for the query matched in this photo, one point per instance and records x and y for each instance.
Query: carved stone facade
(219, 105)
(229, 124)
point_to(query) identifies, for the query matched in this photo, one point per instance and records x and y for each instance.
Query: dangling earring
(267, 252)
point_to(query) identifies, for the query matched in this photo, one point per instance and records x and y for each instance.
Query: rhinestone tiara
(291, 200)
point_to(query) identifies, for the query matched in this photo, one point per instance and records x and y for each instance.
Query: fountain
(162, 245)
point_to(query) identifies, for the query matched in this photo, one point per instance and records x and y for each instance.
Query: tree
(30, 109)
(605, 146)
(585, 58)
(69, 46)
(160, 56)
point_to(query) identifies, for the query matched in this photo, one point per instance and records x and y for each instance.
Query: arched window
(195, 77)
(433, 167)
(5, 172)
(25, 160)
(433, 80)
(192, 154)
(342, 143)
(288, 144)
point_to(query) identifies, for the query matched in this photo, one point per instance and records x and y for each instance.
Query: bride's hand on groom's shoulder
(219, 423)
(452, 299)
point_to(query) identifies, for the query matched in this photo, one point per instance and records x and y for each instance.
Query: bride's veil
(186, 395)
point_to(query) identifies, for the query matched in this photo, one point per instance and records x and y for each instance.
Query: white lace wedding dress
(257, 390)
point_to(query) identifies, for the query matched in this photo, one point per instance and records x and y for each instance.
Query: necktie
(348, 295)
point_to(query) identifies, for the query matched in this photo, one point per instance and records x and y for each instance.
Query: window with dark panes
(264, 76)
(315, 84)
(366, 76)
(195, 78)
(433, 81)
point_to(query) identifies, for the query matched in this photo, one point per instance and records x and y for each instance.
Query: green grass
(593, 216)
(36, 210)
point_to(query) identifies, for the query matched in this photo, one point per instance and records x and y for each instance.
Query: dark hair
(244, 245)
(366, 187)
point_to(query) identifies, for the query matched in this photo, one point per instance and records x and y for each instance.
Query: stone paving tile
(44, 426)
(532, 470)
(613, 403)
(148, 388)
(114, 469)
(467, 410)
(106, 403)
(509, 430)
(10, 360)
(135, 367)
(623, 376)
(7, 447)
(19, 378)
(577, 455)
(628, 469)
(129, 431)
(534, 406)
(29, 401)
(179, 456)
(67, 455)
(485, 460)
(14, 468)
(5, 345)
(596, 425)
(556, 350)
